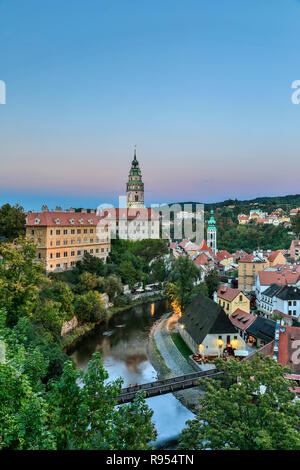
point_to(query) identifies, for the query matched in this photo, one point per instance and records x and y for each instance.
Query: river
(123, 345)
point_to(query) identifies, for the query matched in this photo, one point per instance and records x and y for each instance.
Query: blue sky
(202, 88)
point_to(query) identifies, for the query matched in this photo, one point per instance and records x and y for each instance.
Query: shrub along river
(123, 345)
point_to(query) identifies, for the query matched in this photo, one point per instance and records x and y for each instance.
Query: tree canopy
(250, 408)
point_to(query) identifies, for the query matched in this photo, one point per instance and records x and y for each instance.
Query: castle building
(62, 238)
(135, 186)
(136, 222)
(212, 233)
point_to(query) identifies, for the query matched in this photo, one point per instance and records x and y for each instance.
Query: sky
(202, 88)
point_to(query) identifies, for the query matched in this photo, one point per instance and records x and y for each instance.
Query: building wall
(210, 342)
(280, 259)
(247, 273)
(241, 301)
(60, 247)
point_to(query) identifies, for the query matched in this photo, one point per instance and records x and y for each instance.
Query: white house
(206, 328)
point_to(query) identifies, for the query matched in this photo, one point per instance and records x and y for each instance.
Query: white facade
(211, 342)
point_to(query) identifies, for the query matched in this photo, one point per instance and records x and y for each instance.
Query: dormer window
(57, 221)
(37, 221)
(90, 221)
(71, 221)
(80, 221)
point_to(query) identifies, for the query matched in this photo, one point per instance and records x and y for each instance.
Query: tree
(295, 221)
(87, 281)
(111, 285)
(182, 279)
(20, 279)
(12, 221)
(92, 264)
(212, 281)
(89, 307)
(84, 416)
(128, 273)
(252, 408)
(77, 411)
(59, 291)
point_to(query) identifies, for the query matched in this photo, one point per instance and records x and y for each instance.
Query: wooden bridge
(162, 387)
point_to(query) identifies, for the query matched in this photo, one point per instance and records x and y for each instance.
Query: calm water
(123, 345)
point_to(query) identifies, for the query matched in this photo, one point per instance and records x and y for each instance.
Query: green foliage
(89, 307)
(111, 285)
(12, 221)
(236, 413)
(77, 412)
(295, 220)
(20, 279)
(212, 281)
(91, 264)
(181, 281)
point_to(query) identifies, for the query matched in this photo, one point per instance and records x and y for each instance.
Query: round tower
(135, 185)
(212, 233)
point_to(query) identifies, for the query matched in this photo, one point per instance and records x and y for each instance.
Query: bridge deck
(162, 387)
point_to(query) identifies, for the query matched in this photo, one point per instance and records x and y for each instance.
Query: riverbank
(168, 361)
(71, 339)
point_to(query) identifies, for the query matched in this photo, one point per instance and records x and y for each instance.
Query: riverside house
(206, 328)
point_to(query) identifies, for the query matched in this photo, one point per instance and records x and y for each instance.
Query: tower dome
(135, 185)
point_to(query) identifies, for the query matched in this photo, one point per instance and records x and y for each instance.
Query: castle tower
(212, 233)
(135, 185)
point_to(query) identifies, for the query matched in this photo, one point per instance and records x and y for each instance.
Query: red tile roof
(247, 258)
(266, 278)
(204, 247)
(223, 254)
(241, 319)
(274, 255)
(61, 219)
(228, 293)
(201, 259)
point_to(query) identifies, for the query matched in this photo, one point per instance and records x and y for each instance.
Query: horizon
(204, 92)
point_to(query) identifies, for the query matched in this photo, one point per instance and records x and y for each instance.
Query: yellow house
(63, 238)
(232, 299)
(249, 267)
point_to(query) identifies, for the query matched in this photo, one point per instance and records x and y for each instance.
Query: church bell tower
(212, 233)
(135, 185)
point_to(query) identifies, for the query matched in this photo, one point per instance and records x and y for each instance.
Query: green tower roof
(212, 222)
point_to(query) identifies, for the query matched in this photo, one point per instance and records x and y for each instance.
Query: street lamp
(201, 350)
(220, 343)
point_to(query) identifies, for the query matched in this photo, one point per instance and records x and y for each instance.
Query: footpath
(169, 362)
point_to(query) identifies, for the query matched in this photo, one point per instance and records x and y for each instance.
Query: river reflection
(123, 345)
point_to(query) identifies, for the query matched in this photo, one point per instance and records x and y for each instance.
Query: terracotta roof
(247, 258)
(266, 278)
(274, 255)
(241, 319)
(64, 219)
(223, 254)
(173, 246)
(201, 259)
(228, 293)
(204, 247)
